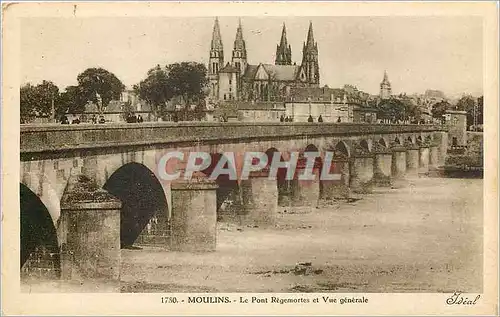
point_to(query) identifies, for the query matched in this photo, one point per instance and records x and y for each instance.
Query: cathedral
(239, 80)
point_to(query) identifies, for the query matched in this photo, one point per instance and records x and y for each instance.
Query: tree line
(184, 81)
(403, 109)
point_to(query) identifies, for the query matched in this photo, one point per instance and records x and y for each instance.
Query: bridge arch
(38, 235)
(46, 193)
(311, 148)
(365, 145)
(342, 149)
(144, 205)
(398, 141)
(284, 185)
(419, 139)
(383, 142)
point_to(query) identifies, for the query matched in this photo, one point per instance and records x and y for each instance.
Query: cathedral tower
(385, 87)
(239, 57)
(283, 50)
(216, 60)
(310, 66)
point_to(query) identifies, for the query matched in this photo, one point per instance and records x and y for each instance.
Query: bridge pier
(382, 165)
(260, 199)
(361, 180)
(412, 161)
(337, 189)
(398, 167)
(194, 215)
(442, 141)
(423, 159)
(305, 192)
(90, 221)
(433, 157)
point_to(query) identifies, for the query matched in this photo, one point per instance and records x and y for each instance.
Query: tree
(155, 89)
(186, 81)
(465, 103)
(473, 108)
(391, 109)
(27, 102)
(439, 109)
(94, 82)
(128, 110)
(71, 100)
(412, 111)
(479, 110)
(37, 101)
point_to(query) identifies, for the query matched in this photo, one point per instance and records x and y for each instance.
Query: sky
(418, 53)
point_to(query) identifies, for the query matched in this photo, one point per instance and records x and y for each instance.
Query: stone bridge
(68, 172)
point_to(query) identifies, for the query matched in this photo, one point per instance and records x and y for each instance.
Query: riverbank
(426, 237)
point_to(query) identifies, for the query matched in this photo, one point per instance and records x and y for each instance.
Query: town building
(239, 80)
(332, 104)
(117, 111)
(363, 114)
(456, 122)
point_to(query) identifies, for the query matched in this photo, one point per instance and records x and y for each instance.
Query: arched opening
(419, 140)
(311, 148)
(382, 142)
(341, 150)
(397, 141)
(228, 193)
(144, 215)
(318, 163)
(410, 140)
(39, 247)
(284, 185)
(364, 145)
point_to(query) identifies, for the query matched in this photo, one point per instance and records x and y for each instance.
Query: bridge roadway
(122, 159)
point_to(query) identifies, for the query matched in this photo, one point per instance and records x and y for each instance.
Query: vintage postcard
(277, 158)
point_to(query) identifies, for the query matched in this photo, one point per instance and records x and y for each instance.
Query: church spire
(216, 44)
(310, 36)
(310, 65)
(239, 42)
(283, 50)
(239, 57)
(216, 60)
(283, 41)
(386, 78)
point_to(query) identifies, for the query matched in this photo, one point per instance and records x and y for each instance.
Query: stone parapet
(50, 138)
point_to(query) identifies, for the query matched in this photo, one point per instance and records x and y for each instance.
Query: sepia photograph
(251, 158)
